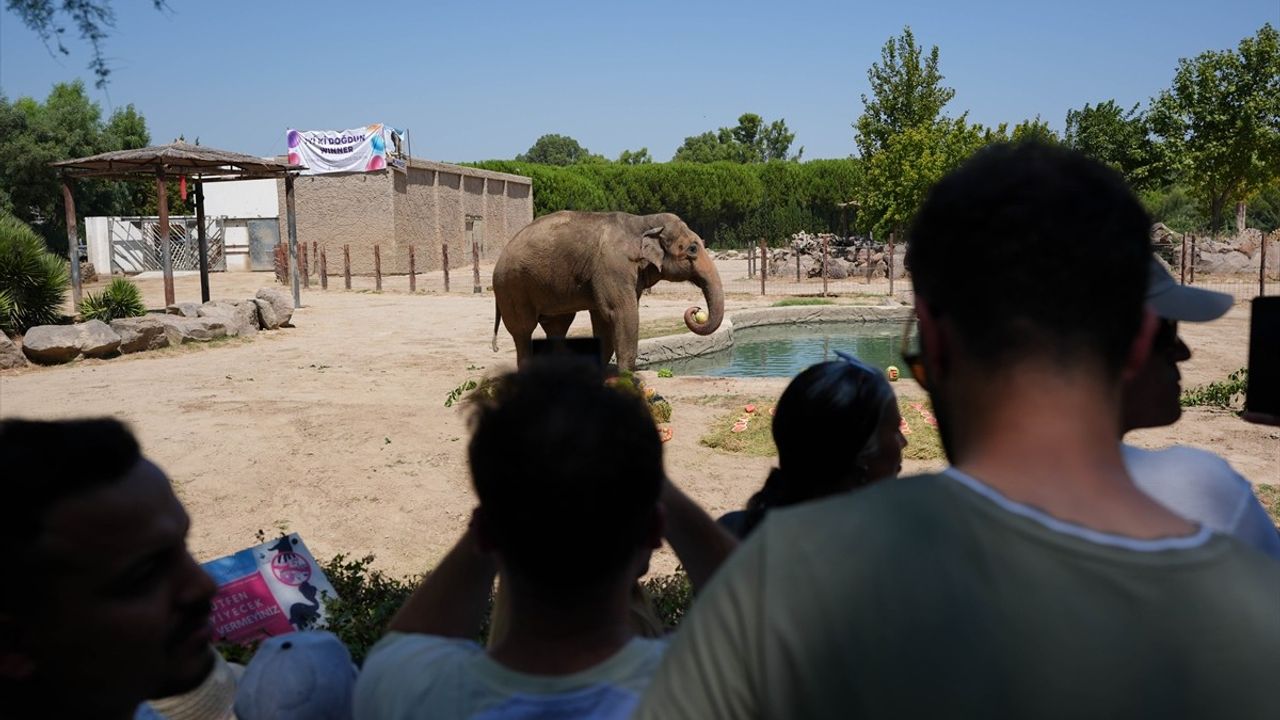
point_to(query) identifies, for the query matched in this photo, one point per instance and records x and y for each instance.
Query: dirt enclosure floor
(337, 428)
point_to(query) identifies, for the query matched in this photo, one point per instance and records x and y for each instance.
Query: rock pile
(181, 323)
(846, 257)
(1239, 255)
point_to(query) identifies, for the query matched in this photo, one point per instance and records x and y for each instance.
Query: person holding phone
(1194, 483)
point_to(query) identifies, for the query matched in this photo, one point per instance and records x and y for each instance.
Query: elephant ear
(651, 246)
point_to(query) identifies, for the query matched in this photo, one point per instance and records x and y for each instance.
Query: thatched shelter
(165, 162)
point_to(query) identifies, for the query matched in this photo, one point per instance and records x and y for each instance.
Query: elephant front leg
(626, 336)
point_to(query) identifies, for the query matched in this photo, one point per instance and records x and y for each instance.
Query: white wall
(99, 244)
(241, 199)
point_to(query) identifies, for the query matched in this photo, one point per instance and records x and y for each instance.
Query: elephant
(600, 262)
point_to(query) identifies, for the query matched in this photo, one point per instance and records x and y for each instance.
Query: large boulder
(187, 309)
(96, 339)
(239, 318)
(1248, 241)
(51, 344)
(184, 330)
(1226, 263)
(138, 334)
(10, 356)
(267, 318)
(280, 302)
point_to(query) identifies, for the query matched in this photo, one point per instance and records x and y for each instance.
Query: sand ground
(336, 428)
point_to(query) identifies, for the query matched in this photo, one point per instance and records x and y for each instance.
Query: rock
(240, 318)
(181, 330)
(51, 344)
(96, 339)
(267, 319)
(836, 269)
(10, 356)
(1223, 263)
(1248, 241)
(138, 334)
(63, 343)
(88, 273)
(187, 309)
(280, 302)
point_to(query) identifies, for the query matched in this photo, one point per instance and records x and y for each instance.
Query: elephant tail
(497, 323)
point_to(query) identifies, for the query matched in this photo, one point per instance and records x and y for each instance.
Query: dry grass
(923, 442)
(1269, 496)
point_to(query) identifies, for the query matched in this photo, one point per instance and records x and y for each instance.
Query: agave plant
(119, 299)
(34, 280)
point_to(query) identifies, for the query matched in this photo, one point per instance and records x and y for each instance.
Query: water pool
(785, 350)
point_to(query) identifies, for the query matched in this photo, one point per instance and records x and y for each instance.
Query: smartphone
(587, 348)
(1262, 395)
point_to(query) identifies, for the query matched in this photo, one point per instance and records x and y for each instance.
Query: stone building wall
(425, 206)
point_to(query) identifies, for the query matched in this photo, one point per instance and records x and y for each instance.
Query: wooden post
(444, 262)
(306, 267)
(1262, 268)
(825, 248)
(797, 266)
(292, 225)
(870, 269)
(202, 243)
(475, 267)
(1182, 266)
(1193, 260)
(413, 272)
(764, 265)
(166, 252)
(324, 270)
(890, 264)
(377, 268)
(346, 266)
(315, 255)
(73, 243)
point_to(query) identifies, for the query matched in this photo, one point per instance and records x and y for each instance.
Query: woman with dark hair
(829, 407)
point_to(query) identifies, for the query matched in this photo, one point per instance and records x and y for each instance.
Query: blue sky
(478, 80)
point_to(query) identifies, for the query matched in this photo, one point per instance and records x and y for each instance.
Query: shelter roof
(177, 158)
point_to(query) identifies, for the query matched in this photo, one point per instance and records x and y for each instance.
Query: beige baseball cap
(1183, 302)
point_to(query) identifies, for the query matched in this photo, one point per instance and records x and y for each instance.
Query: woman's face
(886, 460)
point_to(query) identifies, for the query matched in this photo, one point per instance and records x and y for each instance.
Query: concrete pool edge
(677, 347)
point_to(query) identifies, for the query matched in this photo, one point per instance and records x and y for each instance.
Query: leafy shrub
(665, 373)
(34, 280)
(1217, 394)
(671, 596)
(792, 301)
(119, 299)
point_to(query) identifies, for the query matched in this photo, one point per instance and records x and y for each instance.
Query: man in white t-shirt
(1196, 484)
(573, 500)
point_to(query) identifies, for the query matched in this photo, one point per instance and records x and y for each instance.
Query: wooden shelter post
(162, 200)
(203, 243)
(292, 223)
(73, 242)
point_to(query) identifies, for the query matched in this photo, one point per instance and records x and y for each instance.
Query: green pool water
(785, 350)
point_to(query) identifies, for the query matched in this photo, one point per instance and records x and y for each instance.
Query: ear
(651, 246)
(1140, 348)
(932, 341)
(480, 531)
(657, 527)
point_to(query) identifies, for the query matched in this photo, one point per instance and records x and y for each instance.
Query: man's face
(1151, 397)
(125, 608)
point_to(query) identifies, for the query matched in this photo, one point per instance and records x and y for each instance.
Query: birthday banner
(334, 151)
(272, 589)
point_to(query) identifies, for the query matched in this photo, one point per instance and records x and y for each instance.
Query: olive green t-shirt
(935, 596)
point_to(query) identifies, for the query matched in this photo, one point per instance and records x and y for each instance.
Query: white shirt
(415, 676)
(1203, 488)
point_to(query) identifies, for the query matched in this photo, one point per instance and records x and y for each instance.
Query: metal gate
(264, 236)
(136, 245)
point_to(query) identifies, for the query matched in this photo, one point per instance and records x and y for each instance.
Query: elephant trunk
(707, 278)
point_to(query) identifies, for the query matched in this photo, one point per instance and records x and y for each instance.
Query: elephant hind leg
(556, 326)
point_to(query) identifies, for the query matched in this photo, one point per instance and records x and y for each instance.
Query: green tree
(750, 141)
(92, 18)
(898, 176)
(1036, 130)
(1120, 138)
(553, 149)
(1220, 122)
(638, 157)
(66, 125)
(906, 93)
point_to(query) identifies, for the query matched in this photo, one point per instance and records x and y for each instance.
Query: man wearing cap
(1195, 484)
(1031, 579)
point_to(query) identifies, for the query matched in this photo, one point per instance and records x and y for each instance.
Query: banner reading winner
(333, 151)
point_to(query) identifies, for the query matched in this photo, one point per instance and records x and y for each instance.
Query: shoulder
(1180, 463)
(405, 666)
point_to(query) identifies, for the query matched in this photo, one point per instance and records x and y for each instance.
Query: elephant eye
(693, 248)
